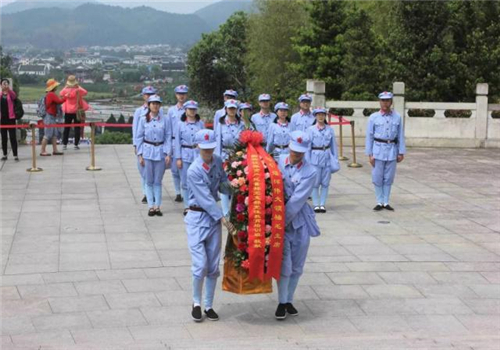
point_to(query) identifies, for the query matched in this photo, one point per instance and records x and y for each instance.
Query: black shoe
(280, 312)
(178, 198)
(196, 314)
(144, 200)
(388, 207)
(158, 212)
(4, 158)
(378, 207)
(151, 212)
(317, 209)
(212, 315)
(16, 158)
(291, 310)
(322, 209)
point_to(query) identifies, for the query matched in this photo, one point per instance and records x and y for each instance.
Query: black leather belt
(153, 143)
(324, 148)
(193, 208)
(188, 146)
(281, 147)
(387, 141)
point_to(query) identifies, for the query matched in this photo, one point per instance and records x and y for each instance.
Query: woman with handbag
(8, 117)
(74, 109)
(323, 155)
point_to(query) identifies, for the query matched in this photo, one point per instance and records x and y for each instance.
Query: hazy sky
(177, 6)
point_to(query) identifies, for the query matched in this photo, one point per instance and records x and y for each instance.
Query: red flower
(240, 217)
(242, 247)
(269, 211)
(240, 199)
(244, 163)
(269, 199)
(242, 235)
(230, 178)
(243, 188)
(245, 264)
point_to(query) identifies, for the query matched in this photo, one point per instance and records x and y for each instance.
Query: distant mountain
(97, 24)
(23, 5)
(216, 14)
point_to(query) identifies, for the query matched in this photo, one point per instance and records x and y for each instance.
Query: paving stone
(392, 291)
(45, 291)
(116, 318)
(17, 325)
(114, 336)
(14, 308)
(75, 304)
(151, 285)
(486, 290)
(100, 287)
(49, 339)
(355, 278)
(9, 293)
(407, 277)
(120, 274)
(459, 277)
(376, 324)
(340, 292)
(131, 300)
(159, 332)
(62, 321)
(484, 306)
(446, 325)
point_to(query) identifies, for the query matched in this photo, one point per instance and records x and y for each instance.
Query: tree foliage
(215, 63)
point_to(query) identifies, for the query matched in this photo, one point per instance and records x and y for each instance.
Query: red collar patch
(206, 166)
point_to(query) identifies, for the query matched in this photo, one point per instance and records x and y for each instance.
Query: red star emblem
(207, 137)
(299, 140)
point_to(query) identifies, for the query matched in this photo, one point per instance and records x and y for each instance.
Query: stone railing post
(398, 89)
(481, 114)
(316, 89)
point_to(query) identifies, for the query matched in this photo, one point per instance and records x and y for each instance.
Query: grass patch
(32, 93)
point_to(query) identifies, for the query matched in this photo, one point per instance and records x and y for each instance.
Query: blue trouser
(184, 171)
(141, 172)
(296, 245)
(205, 246)
(153, 174)
(383, 174)
(323, 177)
(177, 177)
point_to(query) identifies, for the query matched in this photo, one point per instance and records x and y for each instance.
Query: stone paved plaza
(84, 267)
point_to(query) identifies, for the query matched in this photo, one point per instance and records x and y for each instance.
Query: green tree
(363, 63)
(476, 35)
(111, 120)
(271, 57)
(121, 120)
(215, 63)
(319, 44)
(422, 56)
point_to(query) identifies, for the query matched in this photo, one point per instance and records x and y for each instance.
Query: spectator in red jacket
(8, 117)
(51, 117)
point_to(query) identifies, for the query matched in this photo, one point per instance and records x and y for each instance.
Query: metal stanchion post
(341, 141)
(34, 168)
(353, 164)
(92, 166)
